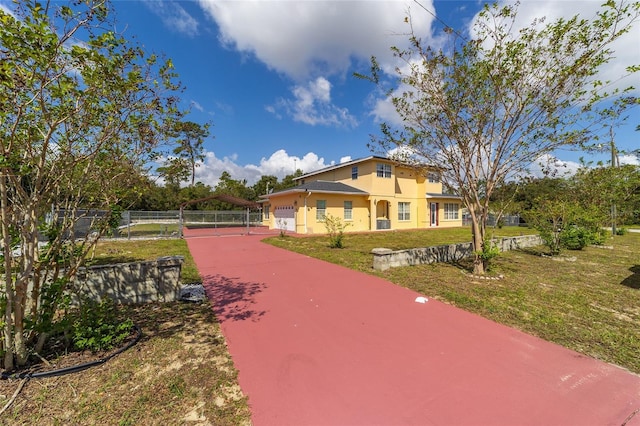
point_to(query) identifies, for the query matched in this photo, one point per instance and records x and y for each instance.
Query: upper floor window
(354, 172)
(451, 211)
(433, 177)
(404, 211)
(383, 170)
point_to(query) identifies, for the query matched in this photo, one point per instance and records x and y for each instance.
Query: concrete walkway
(319, 344)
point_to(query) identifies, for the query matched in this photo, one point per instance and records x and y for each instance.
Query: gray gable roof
(327, 186)
(321, 186)
(341, 165)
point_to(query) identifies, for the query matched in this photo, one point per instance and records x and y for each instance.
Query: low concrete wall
(384, 258)
(136, 282)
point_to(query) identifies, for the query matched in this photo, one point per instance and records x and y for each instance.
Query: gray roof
(338, 166)
(357, 161)
(322, 186)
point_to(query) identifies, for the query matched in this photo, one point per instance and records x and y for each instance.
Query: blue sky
(276, 77)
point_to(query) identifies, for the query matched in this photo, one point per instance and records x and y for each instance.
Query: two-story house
(371, 193)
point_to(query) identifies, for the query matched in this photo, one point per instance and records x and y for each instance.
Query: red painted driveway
(318, 344)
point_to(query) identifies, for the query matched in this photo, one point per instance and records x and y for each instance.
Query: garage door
(285, 217)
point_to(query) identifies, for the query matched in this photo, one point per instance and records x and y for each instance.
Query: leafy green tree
(174, 171)
(288, 181)
(81, 111)
(233, 187)
(563, 223)
(603, 187)
(189, 150)
(196, 192)
(265, 185)
(488, 107)
(522, 195)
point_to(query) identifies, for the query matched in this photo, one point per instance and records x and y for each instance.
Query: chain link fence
(164, 224)
(510, 220)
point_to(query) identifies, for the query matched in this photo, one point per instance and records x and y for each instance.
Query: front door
(434, 214)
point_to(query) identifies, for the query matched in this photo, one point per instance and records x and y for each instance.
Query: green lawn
(357, 251)
(149, 230)
(122, 251)
(590, 305)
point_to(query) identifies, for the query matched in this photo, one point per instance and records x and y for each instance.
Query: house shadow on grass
(633, 281)
(233, 299)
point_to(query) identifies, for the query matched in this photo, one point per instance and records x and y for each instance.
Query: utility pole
(614, 163)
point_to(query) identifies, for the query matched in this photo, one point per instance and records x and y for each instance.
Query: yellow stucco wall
(335, 207)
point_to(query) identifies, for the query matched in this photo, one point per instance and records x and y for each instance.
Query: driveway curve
(320, 344)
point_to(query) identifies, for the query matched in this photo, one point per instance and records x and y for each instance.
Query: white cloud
(549, 165)
(311, 104)
(197, 106)
(279, 164)
(174, 16)
(626, 51)
(312, 42)
(625, 48)
(384, 112)
(304, 39)
(629, 159)
(345, 159)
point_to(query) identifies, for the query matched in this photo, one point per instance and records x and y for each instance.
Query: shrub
(574, 238)
(599, 236)
(489, 251)
(97, 326)
(578, 237)
(335, 228)
(282, 226)
(621, 231)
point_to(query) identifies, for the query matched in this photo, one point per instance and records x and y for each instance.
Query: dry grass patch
(179, 373)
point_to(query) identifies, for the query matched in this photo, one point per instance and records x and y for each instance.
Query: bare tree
(487, 107)
(81, 110)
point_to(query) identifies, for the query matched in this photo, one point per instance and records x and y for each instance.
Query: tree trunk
(477, 230)
(18, 331)
(8, 275)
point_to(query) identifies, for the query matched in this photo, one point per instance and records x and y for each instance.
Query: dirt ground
(179, 372)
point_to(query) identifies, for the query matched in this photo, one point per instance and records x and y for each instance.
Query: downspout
(306, 231)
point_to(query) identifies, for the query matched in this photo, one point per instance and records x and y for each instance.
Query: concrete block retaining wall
(136, 282)
(384, 258)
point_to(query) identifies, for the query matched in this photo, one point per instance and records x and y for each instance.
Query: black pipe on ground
(73, 368)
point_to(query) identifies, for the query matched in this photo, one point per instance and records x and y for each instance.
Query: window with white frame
(451, 211)
(354, 172)
(383, 170)
(348, 210)
(404, 211)
(433, 177)
(266, 211)
(321, 209)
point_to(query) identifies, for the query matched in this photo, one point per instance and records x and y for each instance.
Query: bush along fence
(384, 258)
(135, 282)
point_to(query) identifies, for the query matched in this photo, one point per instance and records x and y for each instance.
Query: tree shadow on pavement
(233, 299)
(633, 281)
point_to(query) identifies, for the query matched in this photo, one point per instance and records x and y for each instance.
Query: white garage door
(285, 217)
